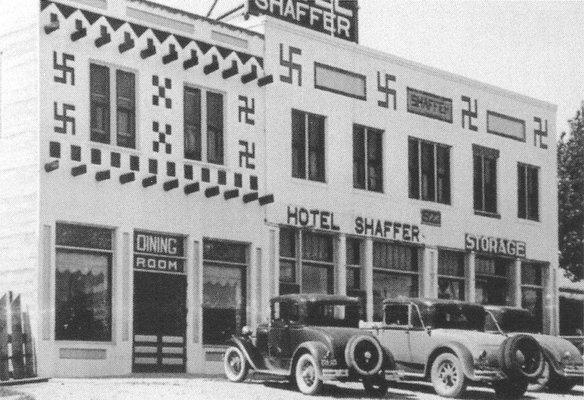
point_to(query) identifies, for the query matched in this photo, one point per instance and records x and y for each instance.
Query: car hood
(471, 339)
(558, 348)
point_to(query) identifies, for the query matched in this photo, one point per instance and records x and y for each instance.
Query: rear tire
(447, 376)
(307, 375)
(235, 365)
(375, 386)
(510, 389)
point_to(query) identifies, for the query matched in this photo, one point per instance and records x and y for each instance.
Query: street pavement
(158, 387)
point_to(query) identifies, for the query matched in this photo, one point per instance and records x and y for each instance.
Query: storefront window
(450, 275)
(491, 280)
(354, 278)
(83, 283)
(395, 273)
(531, 291)
(224, 290)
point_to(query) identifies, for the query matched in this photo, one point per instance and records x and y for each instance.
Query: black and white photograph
(291, 199)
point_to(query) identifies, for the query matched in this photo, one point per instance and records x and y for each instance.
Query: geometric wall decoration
(386, 90)
(64, 118)
(247, 155)
(469, 114)
(540, 132)
(161, 138)
(67, 71)
(246, 109)
(161, 91)
(290, 64)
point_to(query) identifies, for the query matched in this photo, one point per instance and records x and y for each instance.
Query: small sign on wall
(429, 105)
(157, 252)
(431, 217)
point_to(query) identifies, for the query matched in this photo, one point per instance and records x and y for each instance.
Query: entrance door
(159, 322)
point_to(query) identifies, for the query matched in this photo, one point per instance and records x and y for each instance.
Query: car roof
(315, 297)
(424, 301)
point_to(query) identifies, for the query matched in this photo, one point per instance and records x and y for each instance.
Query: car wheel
(510, 389)
(375, 386)
(235, 364)
(307, 375)
(447, 375)
(522, 357)
(540, 383)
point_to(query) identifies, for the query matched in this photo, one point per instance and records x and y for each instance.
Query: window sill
(323, 185)
(366, 192)
(115, 148)
(430, 203)
(531, 222)
(487, 214)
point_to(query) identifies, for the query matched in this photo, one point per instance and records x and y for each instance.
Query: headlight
(481, 358)
(566, 357)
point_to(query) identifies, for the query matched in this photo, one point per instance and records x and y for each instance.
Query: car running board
(275, 372)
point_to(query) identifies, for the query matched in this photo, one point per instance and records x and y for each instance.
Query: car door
(420, 339)
(394, 333)
(279, 340)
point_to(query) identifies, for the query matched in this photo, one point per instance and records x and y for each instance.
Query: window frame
(307, 173)
(366, 160)
(449, 278)
(204, 124)
(493, 155)
(417, 193)
(527, 168)
(113, 105)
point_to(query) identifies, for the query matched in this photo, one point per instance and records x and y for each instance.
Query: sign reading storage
(158, 252)
(494, 245)
(336, 18)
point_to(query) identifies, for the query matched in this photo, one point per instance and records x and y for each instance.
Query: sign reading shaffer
(494, 245)
(158, 252)
(336, 18)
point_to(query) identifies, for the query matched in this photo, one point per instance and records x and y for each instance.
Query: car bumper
(572, 371)
(334, 374)
(488, 375)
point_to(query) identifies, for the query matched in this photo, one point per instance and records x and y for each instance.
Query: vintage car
(563, 364)
(444, 341)
(310, 339)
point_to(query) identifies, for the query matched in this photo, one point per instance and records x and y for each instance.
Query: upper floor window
(101, 106)
(367, 158)
(199, 106)
(528, 192)
(308, 159)
(485, 180)
(429, 169)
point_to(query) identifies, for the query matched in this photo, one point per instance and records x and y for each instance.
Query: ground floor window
(450, 275)
(395, 273)
(224, 290)
(306, 262)
(354, 274)
(571, 314)
(532, 290)
(491, 280)
(83, 295)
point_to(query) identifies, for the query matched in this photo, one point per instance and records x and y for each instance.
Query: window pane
(317, 247)
(387, 285)
(397, 314)
(100, 103)
(287, 271)
(532, 194)
(215, 128)
(443, 174)
(531, 274)
(317, 279)
(353, 251)
(224, 251)
(478, 182)
(450, 263)
(192, 121)
(126, 109)
(224, 297)
(428, 186)
(353, 278)
(316, 148)
(531, 300)
(395, 256)
(490, 177)
(358, 157)
(374, 161)
(287, 242)
(521, 192)
(452, 289)
(298, 144)
(491, 291)
(84, 236)
(83, 296)
(413, 167)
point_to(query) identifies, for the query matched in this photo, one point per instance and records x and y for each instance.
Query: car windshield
(515, 321)
(333, 314)
(459, 316)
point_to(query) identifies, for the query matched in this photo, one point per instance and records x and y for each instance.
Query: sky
(532, 47)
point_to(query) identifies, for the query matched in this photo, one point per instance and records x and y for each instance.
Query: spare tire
(364, 354)
(521, 356)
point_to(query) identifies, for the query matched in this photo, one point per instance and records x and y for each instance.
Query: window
(429, 170)
(308, 160)
(354, 274)
(528, 192)
(531, 291)
(201, 106)
(395, 273)
(485, 180)
(397, 314)
(450, 275)
(83, 298)
(367, 158)
(491, 280)
(306, 262)
(100, 106)
(224, 290)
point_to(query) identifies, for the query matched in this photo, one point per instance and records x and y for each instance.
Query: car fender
(249, 351)
(317, 349)
(460, 350)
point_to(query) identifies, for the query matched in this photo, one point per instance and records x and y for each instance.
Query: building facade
(168, 174)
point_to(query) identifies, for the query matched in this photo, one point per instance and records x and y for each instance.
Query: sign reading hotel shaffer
(336, 18)
(429, 105)
(494, 245)
(157, 252)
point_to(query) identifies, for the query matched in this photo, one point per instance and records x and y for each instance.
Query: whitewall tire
(307, 374)
(235, 365)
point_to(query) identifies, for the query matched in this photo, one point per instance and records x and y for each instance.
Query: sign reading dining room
(429, 105)
(336, 18)
(157, 252)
